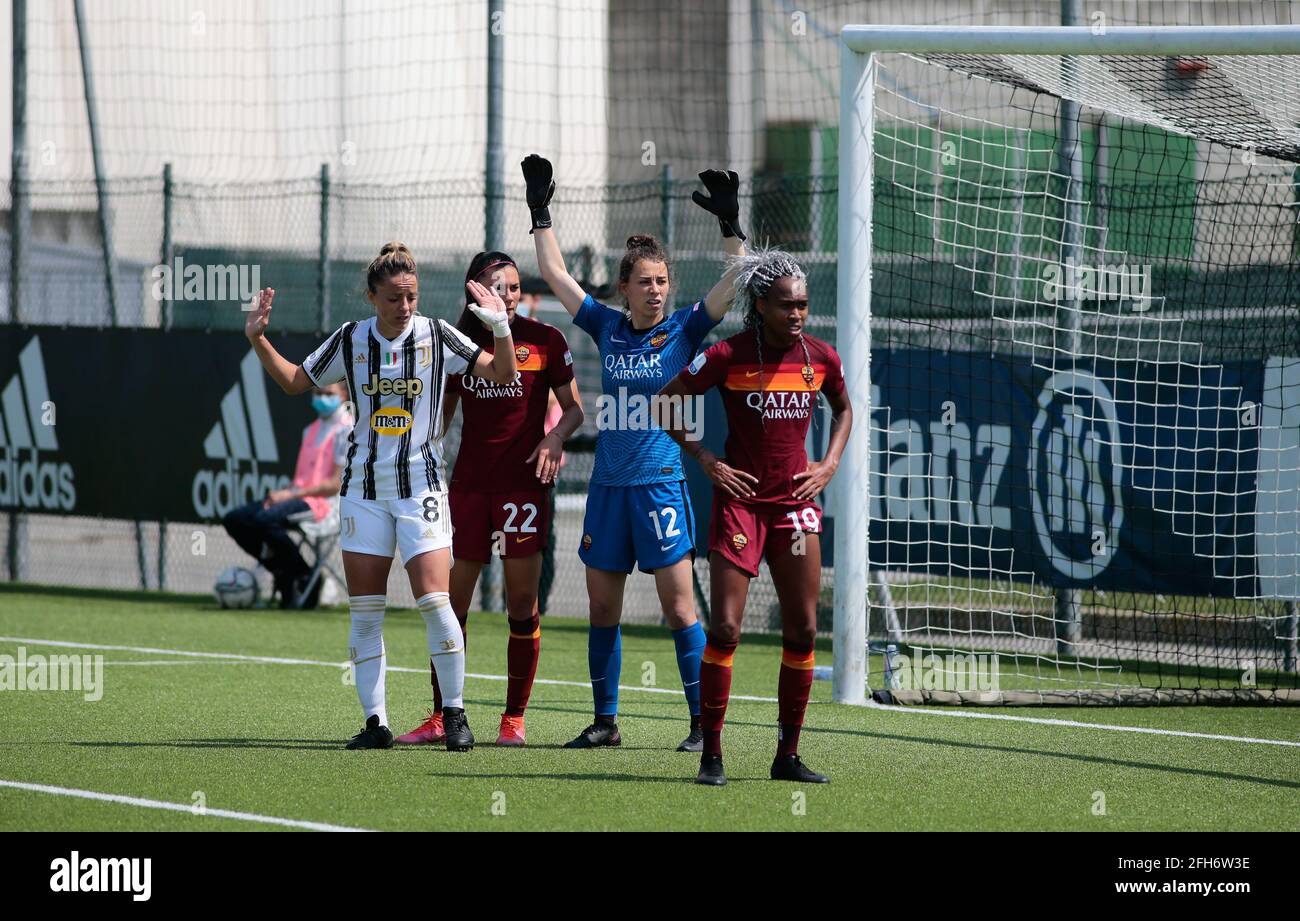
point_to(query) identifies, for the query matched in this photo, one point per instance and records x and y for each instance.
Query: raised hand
(723, 200)
(260, 317)
(541, 186)
(490, 309)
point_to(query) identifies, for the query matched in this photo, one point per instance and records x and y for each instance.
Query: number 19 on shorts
(805, 520)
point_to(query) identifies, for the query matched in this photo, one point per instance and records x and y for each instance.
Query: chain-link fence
(758, 91)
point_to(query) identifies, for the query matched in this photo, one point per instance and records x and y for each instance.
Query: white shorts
(379, 526)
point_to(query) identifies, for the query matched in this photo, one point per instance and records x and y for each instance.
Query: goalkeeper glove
(537, 176)
(722, 200)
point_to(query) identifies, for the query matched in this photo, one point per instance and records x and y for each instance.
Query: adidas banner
(141, 424)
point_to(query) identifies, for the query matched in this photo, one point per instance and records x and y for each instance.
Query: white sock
(366, 649)
(446, 646)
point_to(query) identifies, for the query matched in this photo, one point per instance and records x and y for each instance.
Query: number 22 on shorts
(527, 527)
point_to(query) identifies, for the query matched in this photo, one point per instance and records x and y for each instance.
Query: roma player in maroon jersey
(506, 465)
(764, 491)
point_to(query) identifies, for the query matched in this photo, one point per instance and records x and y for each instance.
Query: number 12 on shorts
(670, 516)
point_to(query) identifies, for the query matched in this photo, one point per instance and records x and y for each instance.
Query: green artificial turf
(266, 738)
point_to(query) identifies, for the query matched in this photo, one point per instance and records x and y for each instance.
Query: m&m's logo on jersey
(658, 339)
(522, 353)
(739, 541)
(391, 420)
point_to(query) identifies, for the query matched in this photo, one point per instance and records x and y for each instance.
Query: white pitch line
(175, 662)
(173, 807)
(923, 711)
(1045, 721)
(233, 657)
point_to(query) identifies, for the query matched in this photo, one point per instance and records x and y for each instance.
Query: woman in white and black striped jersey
(394, 489)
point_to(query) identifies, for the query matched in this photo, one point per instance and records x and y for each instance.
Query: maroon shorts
(509, 524)
(741, 531)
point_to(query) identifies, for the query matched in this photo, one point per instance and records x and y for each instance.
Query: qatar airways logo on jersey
(636, 412)
(781, 404)
(635, 367)
(484, 389)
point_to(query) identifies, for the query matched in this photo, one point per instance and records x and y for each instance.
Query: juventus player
(394, 492)
(499, 488)
(638, 511)
(764, 491)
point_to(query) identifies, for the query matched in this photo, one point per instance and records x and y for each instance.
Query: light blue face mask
(326, 403)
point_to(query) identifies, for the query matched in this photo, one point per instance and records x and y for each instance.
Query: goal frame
(859, 45)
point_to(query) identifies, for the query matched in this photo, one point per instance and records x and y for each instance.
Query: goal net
(1084, 436)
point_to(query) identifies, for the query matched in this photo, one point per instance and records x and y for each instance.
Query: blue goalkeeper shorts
(648, 526)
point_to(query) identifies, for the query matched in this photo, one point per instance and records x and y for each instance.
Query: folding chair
(321, 538)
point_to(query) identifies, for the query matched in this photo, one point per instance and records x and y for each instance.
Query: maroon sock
(433, 674)
(522, 652)
(793, 688)
(715, 689)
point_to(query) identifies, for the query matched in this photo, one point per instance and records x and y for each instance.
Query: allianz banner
(1134, 476)
(132, 423)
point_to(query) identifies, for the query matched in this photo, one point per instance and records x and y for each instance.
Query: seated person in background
(260, 528)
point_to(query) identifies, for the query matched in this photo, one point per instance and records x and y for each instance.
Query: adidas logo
(243, 435)
(27, 425)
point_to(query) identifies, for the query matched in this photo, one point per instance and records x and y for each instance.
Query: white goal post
(859, 47)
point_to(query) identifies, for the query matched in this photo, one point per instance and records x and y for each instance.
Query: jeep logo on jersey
(391, 420)
(402, 386)
(243, 435)
(27, 418)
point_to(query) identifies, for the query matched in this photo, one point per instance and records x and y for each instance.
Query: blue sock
(605, 664)
(690, 646)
